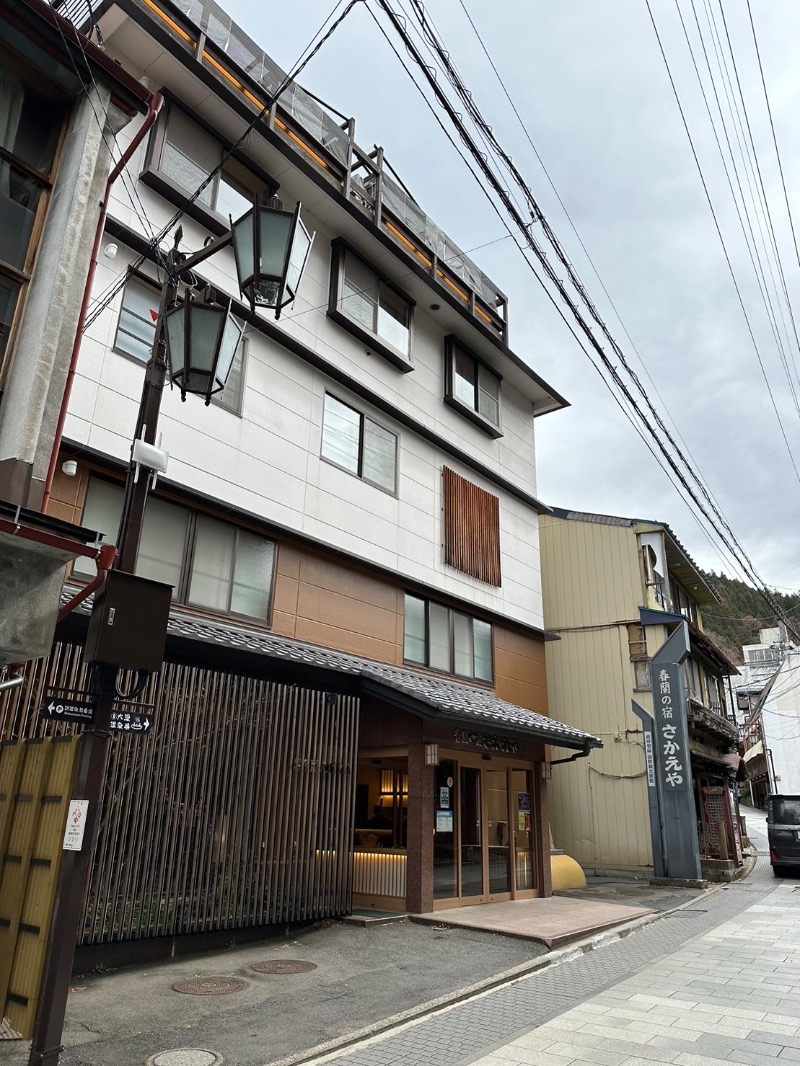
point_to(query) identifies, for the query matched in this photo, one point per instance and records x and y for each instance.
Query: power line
(102, 301)
(722, 240)
(755, 167)
(751, 244)
(594, 269)
(525, 229)
(774, 137)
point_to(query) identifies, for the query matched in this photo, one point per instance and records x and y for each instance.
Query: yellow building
(606, 580)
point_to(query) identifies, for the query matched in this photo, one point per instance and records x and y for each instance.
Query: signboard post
(653, 798)
(672, 793)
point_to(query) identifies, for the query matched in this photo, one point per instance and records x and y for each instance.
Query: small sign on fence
(76, 823)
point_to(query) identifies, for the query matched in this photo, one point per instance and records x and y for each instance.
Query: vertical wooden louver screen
(471, 528)
(235, 810)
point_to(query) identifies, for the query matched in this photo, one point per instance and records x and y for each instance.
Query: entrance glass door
(471, 811)
(483, 836)
(498, 831)
(523, 835)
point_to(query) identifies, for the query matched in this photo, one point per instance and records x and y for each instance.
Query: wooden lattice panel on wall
(471, 528)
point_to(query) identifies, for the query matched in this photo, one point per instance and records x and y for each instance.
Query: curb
(432, 1006)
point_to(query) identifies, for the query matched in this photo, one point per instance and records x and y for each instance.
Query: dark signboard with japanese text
(669, 776)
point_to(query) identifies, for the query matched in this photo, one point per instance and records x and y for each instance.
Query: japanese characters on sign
(671, 736)
(130, 722)
(76, 823)
(649, 760)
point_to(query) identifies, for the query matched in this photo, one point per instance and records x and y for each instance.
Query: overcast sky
(589, 81)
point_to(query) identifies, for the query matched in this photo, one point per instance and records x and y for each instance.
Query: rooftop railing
(308, 127)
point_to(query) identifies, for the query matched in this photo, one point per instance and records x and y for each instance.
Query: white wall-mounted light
(70, 468)
(110, 251)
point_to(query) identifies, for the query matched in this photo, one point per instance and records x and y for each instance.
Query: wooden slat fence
(35, 780)
(235, 810)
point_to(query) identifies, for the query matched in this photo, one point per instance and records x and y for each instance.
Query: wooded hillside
(737, 620)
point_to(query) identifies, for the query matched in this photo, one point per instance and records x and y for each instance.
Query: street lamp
(196, 341)
(202, 340)
(271, 248)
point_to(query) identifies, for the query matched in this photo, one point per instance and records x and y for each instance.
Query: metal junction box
(128, 625)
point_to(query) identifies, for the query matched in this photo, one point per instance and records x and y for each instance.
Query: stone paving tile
(644, 1053)
(695, 990)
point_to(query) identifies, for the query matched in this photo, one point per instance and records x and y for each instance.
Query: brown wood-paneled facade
(326, 600)
(244, 722)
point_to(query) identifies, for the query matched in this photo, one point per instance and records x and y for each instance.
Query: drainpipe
(155, 105)
(14, 676)
(105, 562)
(582, 754)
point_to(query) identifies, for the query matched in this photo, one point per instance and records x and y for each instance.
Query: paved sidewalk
(677, 987)
(732, 995)
(364, 978)
(555, 921)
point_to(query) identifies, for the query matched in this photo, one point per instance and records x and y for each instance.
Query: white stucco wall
(267, 461)
(781, 724)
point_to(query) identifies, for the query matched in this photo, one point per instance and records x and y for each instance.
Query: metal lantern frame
(202, 338)
(250, 234)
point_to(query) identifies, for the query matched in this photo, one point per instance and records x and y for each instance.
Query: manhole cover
(185, 1056)
(209, 986)
(283, 966)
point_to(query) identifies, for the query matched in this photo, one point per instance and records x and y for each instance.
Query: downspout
(14, 677)
(155, 104)
(582, 754)
(105, 562)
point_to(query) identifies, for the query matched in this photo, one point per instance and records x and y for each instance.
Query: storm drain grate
(283, 966)
(210, 986)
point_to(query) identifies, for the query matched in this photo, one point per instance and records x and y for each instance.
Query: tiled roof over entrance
(420, 693)
(432, 695)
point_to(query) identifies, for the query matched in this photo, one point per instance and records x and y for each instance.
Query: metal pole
(90, 781)
(73, 879)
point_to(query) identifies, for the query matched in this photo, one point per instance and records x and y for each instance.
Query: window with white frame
(356, 443)
(136, 332)
(210, 564)
(471, 387)
(447, 640)
(369, 305)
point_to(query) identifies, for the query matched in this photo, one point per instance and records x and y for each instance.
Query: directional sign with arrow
(58, 709)
(130, 722)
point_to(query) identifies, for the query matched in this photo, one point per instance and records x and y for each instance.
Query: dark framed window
(370, 306)
(447, 640)
(136, 332)
(210, 564)
(353, 441)
(31, 126)
(682, 602)
(182, 153)
(471, 387)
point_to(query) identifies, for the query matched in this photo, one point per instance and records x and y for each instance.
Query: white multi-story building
(353, 706)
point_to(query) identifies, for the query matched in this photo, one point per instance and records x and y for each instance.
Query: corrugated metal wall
(235, 810)
(598, 805)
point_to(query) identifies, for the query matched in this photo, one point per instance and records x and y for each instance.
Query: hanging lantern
(271, 248)
(202, 341)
